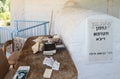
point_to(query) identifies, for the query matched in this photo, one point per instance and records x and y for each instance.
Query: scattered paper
(39, 39)
(35, 47)
(51, 63)
(48, 61)
(56, 65)
(47, 73)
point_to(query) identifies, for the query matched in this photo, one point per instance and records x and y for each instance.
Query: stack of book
(49, 49)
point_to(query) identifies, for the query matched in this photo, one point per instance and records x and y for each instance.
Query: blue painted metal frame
(40, 24)
(17, 30)
(9, 30)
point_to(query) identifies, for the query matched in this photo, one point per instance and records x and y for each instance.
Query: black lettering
(100, 39)
(100, 33)
(92, 53)
(101, 27)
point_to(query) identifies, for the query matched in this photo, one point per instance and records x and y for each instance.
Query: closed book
(22, 72)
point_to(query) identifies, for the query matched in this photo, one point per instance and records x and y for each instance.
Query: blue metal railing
(31, 28)
(24, 28)
(6, 33)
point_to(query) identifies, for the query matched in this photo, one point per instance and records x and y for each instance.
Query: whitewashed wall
(107, 6)
(17, 10)
(41, 9)
(34, 9)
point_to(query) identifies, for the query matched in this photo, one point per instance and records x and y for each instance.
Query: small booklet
(47, 73)
(48, 61)
(56, 65)
(51, 63)
(21, 72)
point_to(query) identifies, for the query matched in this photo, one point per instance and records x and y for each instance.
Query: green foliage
(4, 6)
(5, 16)
(3, 1)
(5, 12)
(1, 7)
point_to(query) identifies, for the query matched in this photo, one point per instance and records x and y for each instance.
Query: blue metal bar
(3, 28)
(11, 35)
(29, 21)
(17, 26)
(45, 29)
(32, 27)
(9, 30)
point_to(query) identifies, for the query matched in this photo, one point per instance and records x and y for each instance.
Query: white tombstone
(76, 28)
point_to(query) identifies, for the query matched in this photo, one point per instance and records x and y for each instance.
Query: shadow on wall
(96, 5)
(110, 7)
(71, 3)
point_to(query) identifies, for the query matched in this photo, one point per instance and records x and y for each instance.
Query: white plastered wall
(41, 9)
(106, 6)
(17, 10)
(34, 9)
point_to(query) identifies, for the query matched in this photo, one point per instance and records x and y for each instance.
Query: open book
(21, 72)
